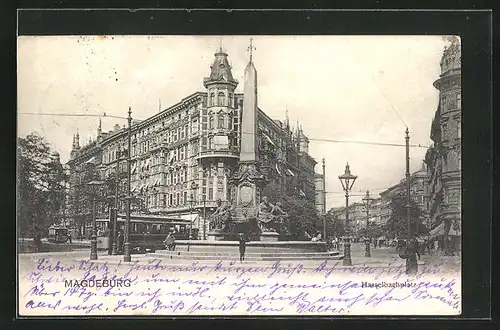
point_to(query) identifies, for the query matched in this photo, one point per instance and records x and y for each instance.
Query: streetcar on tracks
(58, 234)
(147, 232)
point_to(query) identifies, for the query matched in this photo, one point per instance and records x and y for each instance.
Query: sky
(349, 88)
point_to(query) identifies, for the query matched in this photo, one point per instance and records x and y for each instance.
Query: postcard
(239, 175)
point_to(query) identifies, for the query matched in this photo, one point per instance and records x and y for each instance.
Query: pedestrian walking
(119, 241)
(242, 240)
(170, 242)
(70, 238)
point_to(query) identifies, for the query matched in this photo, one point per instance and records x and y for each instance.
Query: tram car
(58, 234)
(146, 234)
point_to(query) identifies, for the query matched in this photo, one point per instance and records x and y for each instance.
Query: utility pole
(411, 248)
(324, 201)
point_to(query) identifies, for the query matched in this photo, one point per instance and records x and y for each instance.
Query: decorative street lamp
(367, 201)
(114, 247)
(191, 216)
(347, 180)
(94, 186)
(204, 218)
(126, 244)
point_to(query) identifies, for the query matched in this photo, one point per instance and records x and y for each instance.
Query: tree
(374, 230)
(397, 225)
(334, 225)
(41, 185)
(302, 213)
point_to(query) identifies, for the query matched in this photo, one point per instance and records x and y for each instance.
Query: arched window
(220, 121)
(211, 122)
(220, 101)
(231, 100)
(212, 99)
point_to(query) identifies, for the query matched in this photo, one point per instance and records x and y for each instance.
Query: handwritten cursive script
(156, 287)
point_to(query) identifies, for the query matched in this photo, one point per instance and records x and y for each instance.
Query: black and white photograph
(239, 175)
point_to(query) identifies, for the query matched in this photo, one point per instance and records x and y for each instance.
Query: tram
(58, 234)
(147, 232)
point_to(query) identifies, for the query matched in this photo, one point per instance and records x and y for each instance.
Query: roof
(220, 70)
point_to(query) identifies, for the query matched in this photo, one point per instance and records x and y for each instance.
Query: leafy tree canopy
(41, 183)
(303, 213)
(397, 225)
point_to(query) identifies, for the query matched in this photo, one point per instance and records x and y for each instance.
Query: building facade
(183, 158)
(319, 180)
(418, 193)
(357, 217)
(444, 156)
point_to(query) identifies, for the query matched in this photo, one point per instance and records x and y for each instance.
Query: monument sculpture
(272, 218)
(221, 217)
(247, 214)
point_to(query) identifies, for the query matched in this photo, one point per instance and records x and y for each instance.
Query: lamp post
(114, 247)
(94, 186)
(367, 201)
(191, 216)
(126, 244)
(204, 218)
(411, 248)
(347, 180)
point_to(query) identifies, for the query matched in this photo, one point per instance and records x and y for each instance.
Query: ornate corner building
(444, 157)
(183, 158)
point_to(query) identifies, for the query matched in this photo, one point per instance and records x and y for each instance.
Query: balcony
(221, 153)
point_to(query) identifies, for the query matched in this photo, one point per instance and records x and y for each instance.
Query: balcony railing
(229, 153)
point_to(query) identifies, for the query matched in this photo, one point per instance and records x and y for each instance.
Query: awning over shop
(190, 217)
(170, 156)
(438, 231)
(91, 160)
(278, 170)
(269, 140)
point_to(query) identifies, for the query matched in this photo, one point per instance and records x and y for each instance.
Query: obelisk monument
(248, 179)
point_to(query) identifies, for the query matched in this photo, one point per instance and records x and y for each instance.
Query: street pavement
(380, 257)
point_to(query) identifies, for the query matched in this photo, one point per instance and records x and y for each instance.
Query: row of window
(168, 200)
(177, 176)
(166, 122)
(221, 100)
(223, 122)
(451, 101)
(445, 129)
(183, 198)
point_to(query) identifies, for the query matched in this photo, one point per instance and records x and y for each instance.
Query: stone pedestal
(215, 236)
(268, 236)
